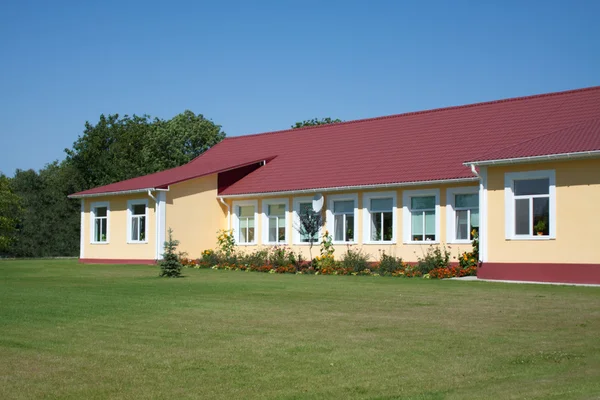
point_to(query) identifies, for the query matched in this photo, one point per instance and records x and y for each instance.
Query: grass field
(71, 331)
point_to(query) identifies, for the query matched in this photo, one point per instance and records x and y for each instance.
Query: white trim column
(161, 229)
(82, 231)
(483, 214)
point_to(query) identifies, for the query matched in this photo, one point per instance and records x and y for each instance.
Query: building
(525, 172)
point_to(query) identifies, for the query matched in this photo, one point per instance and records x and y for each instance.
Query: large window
(99, 213)
(137, 218)
(463, 213)
(275, 221)
(244, 218)
(421, 215)
(341, 220)
(530, 198)
(379, 210)
(301, 204)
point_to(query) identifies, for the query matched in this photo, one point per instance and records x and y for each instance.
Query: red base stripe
(115, 261)
(540, 272)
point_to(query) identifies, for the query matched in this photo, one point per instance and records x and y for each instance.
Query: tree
(315, 122)
(50, 221)
(119, 148)
(170, 266)
(310, 223)
(179, 140)
(10, 212)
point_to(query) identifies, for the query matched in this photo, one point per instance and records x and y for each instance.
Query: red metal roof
(420, 146)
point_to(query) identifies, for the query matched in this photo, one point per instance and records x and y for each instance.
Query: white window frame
(509, 203)
(296, 237)
(451, 212)
(367, 197)
(265, 220)
(330, 216)
(406, 215)
(130, 216)
(236, 220)
(93, 207)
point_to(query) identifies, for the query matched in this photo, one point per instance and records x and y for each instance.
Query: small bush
(170, 266)
(388, 265)
(258, 258)
(281, 256)
(355, 260)
(435, 257)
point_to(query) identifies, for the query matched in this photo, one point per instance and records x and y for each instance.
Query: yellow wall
(195, 214)
(118, 248)
(577, 216)
(408, 252)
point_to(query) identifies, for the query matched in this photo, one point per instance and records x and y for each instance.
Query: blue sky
(260, 66)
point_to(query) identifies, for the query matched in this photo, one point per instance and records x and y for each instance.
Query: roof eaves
(117, 193)
(530, 159)
(355, 187)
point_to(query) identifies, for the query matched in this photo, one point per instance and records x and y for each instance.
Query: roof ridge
(535, 138)
(440, 109)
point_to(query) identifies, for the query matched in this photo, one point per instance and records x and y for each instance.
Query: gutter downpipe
(228, 212)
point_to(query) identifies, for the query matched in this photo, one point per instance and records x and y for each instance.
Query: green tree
(10, 212)
(179, 140)
(118, 148)
(170, 266)
(310, 223)
(50, 220)
(315, 121)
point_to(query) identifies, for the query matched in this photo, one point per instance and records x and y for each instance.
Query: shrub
(434, 257)
(281, 256)
(256, 259)
(170, 266)
(226, 241)
(355, 260)
(389, 264)
(209, 258)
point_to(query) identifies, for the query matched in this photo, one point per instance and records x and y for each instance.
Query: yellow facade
(577, 216)
(118, 246)
(195, 214)
(408, 252)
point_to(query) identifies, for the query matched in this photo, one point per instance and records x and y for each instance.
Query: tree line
(37, 219)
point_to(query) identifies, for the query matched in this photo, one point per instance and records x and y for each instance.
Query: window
(99, 213)
(244, 221)
(530, 198)
(301, 204)
(379, 217)
(275, 221)
(341, 220)
(421, 215)
(463, 213)
(137, 231)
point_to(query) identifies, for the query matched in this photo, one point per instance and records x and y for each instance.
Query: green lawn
(73, 331)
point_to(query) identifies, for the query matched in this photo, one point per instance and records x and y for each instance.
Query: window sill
(421, 242)
(386, 242)
(247, 244)
(335, 242)
(99, 242)
(533, 238)
(461, 242)
(276, 243)
(136, 242)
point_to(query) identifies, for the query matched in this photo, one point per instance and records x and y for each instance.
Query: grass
(73, 331)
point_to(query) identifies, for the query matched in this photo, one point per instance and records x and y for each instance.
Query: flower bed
(281, 260)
